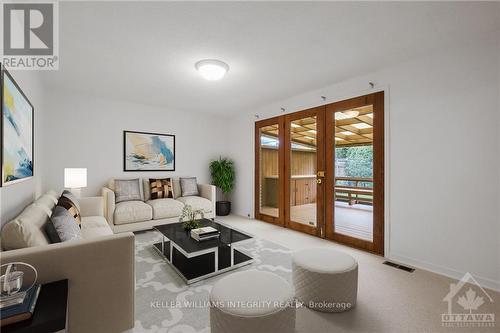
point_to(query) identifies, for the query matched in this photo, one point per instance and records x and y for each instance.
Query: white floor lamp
(75, 179)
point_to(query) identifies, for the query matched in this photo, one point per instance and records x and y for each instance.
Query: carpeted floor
(389, 300)
(164, 303)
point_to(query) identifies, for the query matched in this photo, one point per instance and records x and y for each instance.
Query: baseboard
(449, 272)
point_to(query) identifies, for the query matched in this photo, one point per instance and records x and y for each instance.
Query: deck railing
(354, 190)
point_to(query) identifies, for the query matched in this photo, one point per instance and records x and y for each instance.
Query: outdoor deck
(354, 220)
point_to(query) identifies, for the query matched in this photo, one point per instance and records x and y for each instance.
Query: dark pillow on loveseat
(71, 204)
(62, 226)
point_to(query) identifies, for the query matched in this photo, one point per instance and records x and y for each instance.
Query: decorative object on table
(205, 233)
(223, 175)
(128, 190)
(148, 151)
(189, 186)
(191, 214)
(23, 311)
(16, 129)
(50, 313)
(161, 188)
(11, 283)
(75, 179)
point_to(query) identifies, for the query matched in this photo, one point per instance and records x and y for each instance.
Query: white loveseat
(142, 215)
(100, 267)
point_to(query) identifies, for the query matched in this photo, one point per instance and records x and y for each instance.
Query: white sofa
(142, 215)
(100, 267)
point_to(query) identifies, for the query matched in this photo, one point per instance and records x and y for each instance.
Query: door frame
(281, 179)
(325, 124)
(319, 112)
(377, 100)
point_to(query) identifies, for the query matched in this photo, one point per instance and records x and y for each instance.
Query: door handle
(319, 181)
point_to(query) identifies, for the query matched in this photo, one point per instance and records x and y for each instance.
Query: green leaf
(223, 174)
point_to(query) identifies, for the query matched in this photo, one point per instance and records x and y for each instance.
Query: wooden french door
(354, 213)
(304, 152)
(269, 170)
(301, 183)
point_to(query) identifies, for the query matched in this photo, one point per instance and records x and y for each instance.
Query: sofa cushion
(197, 203)
(176, 187)
(53, 195)
(65, 225)
(132, 211)
(160, 188)
(165, 208)
(95, 226)
(26, 230)
(47, 202)
(128, 190)
(111, 186)
(189, 186)
(69, 202)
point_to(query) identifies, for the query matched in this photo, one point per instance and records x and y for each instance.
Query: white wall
(85, 131)
(15, 197)
(442, 164)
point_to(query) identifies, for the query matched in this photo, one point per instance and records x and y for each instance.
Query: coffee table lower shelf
(197, 266)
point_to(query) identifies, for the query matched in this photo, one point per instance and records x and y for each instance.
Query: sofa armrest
(101, 275)
(109, 204)
(92, 206)
(209, 192)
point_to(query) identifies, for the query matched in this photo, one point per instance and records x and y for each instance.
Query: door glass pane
(269, 170)
(354, 173)
(303, 171)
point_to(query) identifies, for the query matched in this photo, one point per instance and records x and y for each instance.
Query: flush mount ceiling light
(211, 69)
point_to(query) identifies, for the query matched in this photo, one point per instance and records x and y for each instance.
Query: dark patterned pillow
(161, 188)
(62, 226)
(189, 186)
(71, 204)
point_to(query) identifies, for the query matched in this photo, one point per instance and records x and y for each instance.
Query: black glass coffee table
(195, 261)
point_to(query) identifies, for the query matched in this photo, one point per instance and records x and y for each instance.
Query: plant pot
(223, 208)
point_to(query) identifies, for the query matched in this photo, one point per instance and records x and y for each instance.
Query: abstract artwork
(148, 151)
(17, 132)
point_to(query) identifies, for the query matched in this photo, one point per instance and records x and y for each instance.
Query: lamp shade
(75, 177)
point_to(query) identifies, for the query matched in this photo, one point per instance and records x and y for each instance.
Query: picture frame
(17, 139)
(148, 151)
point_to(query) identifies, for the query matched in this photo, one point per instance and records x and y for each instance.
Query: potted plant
(191, 214)
(222, 172)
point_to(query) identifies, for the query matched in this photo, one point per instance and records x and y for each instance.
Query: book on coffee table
(204, 233)
(19, 312)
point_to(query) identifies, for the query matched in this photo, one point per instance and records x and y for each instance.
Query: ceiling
(145, 51)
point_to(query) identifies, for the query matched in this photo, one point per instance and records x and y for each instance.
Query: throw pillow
(69, 202)
(160, 188)
(62, 226)
(189, 186)
(127, 190)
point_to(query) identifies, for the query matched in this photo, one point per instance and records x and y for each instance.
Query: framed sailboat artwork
(145, 151)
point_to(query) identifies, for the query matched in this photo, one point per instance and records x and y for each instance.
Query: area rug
(164, 303)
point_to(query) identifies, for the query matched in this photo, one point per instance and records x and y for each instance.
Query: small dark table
(195, 261)
(50, 311)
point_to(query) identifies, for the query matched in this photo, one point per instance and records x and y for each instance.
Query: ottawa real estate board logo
(30, 35)
(466, 301)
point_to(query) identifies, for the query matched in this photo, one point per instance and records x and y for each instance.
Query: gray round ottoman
(252, 301)
(325, 280)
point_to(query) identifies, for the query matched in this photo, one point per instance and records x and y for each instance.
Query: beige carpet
(389, 300)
